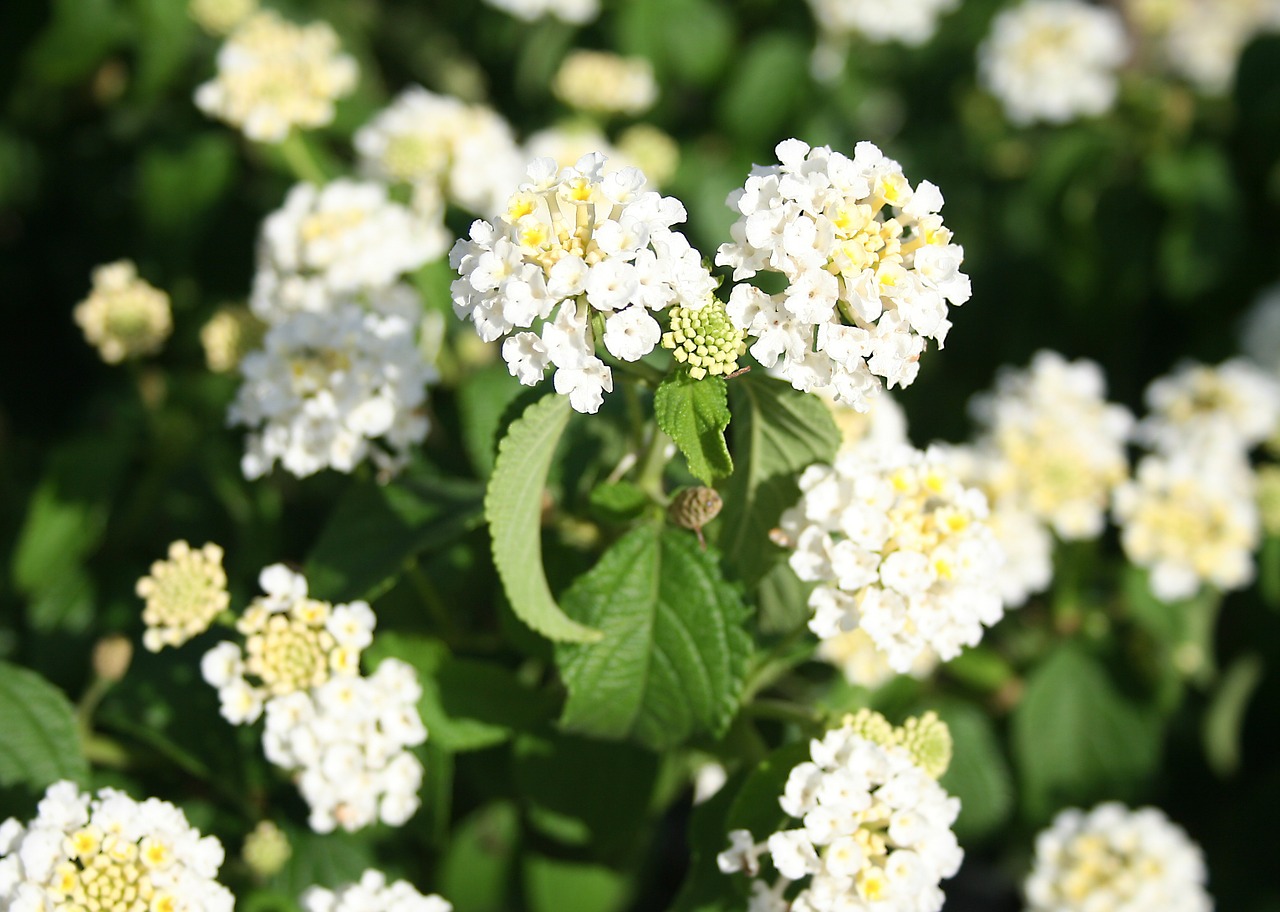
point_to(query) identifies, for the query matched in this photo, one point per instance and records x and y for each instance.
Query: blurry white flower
(900, 548)
(124, 316)
(183, 595)
(218, 17)
(1235, 404)
(1260, 330)
(1202, 40)
(274, 76)
(1054, 60)
(573, 246)
(578, 12)
(1115, 858)
(605, 83)
(910, 22)
(869, 264)
(372, 894)
(108, 853)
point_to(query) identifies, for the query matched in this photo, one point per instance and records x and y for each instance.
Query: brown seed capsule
(693, 508)
(111, 657)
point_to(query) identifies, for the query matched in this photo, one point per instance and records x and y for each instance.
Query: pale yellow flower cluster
(231, 333)
(124, 317)
(292, 650)
(219, 17)
(184, 594)
(604, 83)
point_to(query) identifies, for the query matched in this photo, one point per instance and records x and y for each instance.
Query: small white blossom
(108, 853)
(372, 893)
(870, 269)
(1113, 858)
(274, 76)
(1054, 60)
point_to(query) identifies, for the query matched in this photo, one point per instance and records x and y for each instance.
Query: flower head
(183, 594)
(124, 317)
(1235, 403)
(1202, 40)
(605, 83)
(575, 251)
(910, 22)
(869, 264)
(229, 335)
(108, 853)
(274, 76)
(1115, 858)
(575, 11)
(373, 894)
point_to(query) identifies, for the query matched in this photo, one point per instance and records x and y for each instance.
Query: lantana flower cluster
(108, 853)
(591, 256)
(599, 82)
(1054, 60)
(183, 595)
(911, 22)
(274, 76)
(347, 742)
(900, 548)
(1202, 40)
(1116, 858)
(124, 316)
(875, 826)
(372, 893)
(869, 264)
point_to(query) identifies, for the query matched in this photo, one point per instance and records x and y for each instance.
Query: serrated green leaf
(40, 743)
(375, 528)
(674, 651)
(513, 506)
(466, 704)
(778, 432)
(1224, 719)
(695, 413)
(979, 775)
(1076, 739)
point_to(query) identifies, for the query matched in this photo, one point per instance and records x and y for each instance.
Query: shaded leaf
(695, 413)
(1224, 719)
(979, 774)
(40, 743)
(476, 870)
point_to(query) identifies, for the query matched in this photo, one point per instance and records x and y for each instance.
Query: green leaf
(166, 33)
(552, 885)
(376, 528)
(778, 432)
(483, 397)
(327, 860)
(783, 599)
(694, 413)
(466, 704)
(755, 807)
(80, 34)
(1076, 739)
(179, 186)
(618, 501)
(979, 774)
(1224, 719)
(770, 77)
(513, 506)
(690, 40)
(674, 652)
(475, 871)
(40, 744)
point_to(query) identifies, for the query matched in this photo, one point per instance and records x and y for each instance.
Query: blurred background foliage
(1136, 240)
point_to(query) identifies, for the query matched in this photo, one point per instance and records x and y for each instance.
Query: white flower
(910, 22)
(274, 75)
(124, 316)
(599, 81)
(852, 238)
(183, 595)
(1202, 40)
(875, 829)
(1054, 60)
(1052, 445)
(347, 742)
(577, 243)
(1234, 404)
(372, 893)
(1115, 858)
(578, 12)
(108, 853)
(466, 152)
(330, 389)
(567, 143)
(900, 549)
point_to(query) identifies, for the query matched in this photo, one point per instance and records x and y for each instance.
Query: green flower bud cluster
(927, 738)
(705, 339)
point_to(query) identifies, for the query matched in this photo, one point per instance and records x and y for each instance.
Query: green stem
(102, 751)
(653, 464)
(785, 711)
(297, 155)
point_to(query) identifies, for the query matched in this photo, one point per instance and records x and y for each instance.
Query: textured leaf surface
(674, 651)
(695, 413)
(778, 432)
(39, 743)
(979, 775)
(513, 506)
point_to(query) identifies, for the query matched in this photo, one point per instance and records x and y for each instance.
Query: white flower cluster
(1054, 60)
(1051, 443)
(442, 147)
(347, 741)
(292, 643)
(1190, 515)
(597, 250)
(578, 12)
(109, 853)
(1112, 859)
(274, 76)
(900, 549)
(909, 22)
(373, 894)
(124, 316)
(869, 264)
(605, 83)
(1202, 40)
(875, 833)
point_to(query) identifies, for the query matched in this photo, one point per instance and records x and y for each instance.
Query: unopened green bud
(111, 657)
(928, 740)
(705, 339)
(266, 849)
(869, 724)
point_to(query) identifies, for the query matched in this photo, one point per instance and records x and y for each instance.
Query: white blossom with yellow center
(595, 249)
(108, 854)
(123, 317)
(274, 75)
(869, 264)
(604, 83)
(1113, 859)
(1052, 444)
(183, 595)
(874, 835)
(900, 549)
(1054, 60)
(372, 893)
(1191, 519)
(292, 643)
